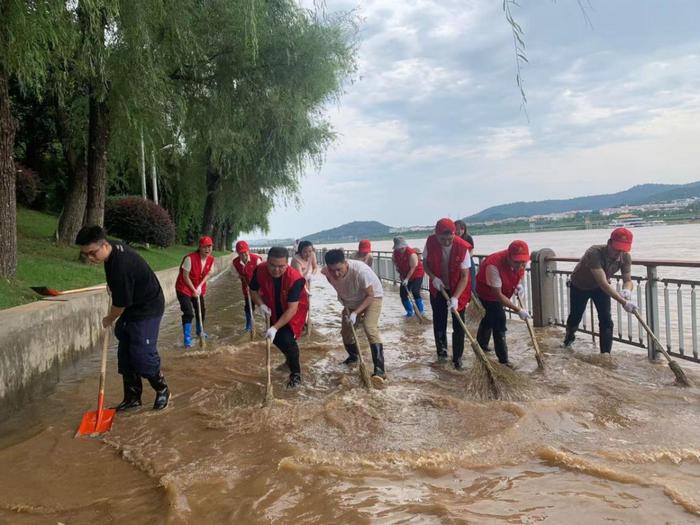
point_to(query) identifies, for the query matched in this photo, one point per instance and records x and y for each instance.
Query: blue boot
(419, 304)
(408, 306)
(199, 332)
(187, 334)
(248, 322)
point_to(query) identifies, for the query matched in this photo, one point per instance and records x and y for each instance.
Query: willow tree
(255, 103)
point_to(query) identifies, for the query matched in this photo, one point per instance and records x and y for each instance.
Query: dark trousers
(413, 286)
(494, 323)
(188, 305)
(578, 300)
(137, 353)
(285, 341)
(440, 309)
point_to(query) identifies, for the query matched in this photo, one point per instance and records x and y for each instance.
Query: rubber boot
(187, 335)
(132, 392)
(294, 380)
(419, 304)
(570, 337)
(248, 321)
(499, 343)
(483, 336)
(199, 331)
(162, 391)
(378, 359)
(408, 307)
(441, 346)
(352, 351)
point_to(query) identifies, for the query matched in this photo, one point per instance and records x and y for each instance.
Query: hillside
(685, 191)
(643, 193)
(352, 231)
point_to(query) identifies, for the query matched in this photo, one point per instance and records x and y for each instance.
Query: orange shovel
(100, 420)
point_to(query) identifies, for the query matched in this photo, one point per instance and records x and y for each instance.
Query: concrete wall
(37, 338)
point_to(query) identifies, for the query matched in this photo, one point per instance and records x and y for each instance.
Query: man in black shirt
(280, 292)
(137, 307)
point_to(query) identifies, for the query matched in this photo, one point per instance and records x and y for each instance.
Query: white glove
(438, 284)
(199, 289)
(454, 303)
(271, 333)
(264, 310)
(520, 291)
(405, 283)
(626, 294)
(524, 314)
(630, 307)
(352, 318)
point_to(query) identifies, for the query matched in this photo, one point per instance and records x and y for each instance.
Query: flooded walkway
(591, 440)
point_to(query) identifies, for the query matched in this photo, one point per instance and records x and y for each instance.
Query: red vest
(267, 294)
(246, 270)
(460, 251)
(509, 277)
(402, 261)
(197, 273)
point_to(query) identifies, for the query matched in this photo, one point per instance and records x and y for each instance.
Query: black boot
(605, 339)
(569, 337)
(441, 345)
(162, 391)
(132, 391)
(294, 380)
(352, 351)
(483, 335)
(378, 359)
(499, 343)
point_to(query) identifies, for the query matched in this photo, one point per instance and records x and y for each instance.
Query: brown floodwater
(586, 441)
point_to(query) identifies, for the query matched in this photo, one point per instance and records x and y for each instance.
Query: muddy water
(588, 441)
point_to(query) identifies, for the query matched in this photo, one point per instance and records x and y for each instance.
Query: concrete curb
(38, 337)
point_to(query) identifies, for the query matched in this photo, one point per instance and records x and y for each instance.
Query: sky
(433, 123)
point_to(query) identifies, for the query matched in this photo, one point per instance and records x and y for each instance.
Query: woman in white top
(305, 261)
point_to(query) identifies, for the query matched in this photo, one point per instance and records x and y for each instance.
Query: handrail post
(652, 307)
(543, 286)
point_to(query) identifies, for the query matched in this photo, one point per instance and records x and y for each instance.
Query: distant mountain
(641, 194)
(352, 231)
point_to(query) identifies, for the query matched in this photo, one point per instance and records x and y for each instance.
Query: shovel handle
(103, 375)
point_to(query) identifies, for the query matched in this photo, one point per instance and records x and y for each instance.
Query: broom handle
(652, 335)
(530, 330)
(459, 318)
(413, 303)
(250, 310)
(357, 342)
(201, 324)
(268, 359)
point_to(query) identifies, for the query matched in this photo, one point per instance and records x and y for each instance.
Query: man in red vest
(191, 284)
(411, 273)
(280, 292)
(499, 277)
(244, 265)
(446, 260)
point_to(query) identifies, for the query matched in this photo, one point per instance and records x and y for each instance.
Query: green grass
(42, 263)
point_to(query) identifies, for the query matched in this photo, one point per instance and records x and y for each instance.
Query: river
(588, 440)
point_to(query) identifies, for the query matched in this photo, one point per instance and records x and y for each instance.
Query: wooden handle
(652, 335)
(459, 318)
(103, 375)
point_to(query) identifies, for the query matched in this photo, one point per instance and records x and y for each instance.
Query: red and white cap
(621, 239)
(242, 247)
(519, 251)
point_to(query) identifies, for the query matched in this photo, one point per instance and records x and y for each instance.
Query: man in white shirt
(360, 291)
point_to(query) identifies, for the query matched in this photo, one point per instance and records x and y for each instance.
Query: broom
(364, 373)
(538, 353)
(681, 378)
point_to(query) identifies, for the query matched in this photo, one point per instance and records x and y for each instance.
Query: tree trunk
(8, 199)
(71, 219)
(213, 192)
(98, 140)
(73, 212)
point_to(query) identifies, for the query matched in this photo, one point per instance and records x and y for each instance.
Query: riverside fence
(668, 304)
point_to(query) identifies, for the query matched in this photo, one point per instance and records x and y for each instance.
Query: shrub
(136, 220)
(27, 185)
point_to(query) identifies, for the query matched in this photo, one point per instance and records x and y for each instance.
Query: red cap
(519, 251)
(365, 246)
(621, 239)
(205, 240)
(242, 247)
(445, 226)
